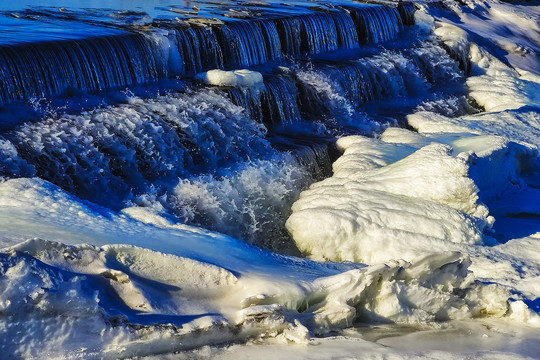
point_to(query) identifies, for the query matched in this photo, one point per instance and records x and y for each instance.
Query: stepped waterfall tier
(237, 179)
(112, 62)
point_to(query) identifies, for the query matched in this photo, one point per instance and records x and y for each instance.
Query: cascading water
(91, 65)
(314, 34)
(406, 11)
(198, 50)
(376, 24)
(113, 62)
(250, 43)
(106, 154)
(213, 142)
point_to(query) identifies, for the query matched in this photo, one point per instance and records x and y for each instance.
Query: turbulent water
(157, 148)
(202, 174)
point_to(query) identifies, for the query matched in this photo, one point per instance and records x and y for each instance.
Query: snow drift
(189, 287)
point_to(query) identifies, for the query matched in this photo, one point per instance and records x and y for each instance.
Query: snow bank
(119, 300)
(509, 31)
(521, 125)
(392, 202)
(494, 86)
(188, 287)
(409, 193)
(495, 164)
(500, 88)
(511, 99)
(236, 78)
(366, 213)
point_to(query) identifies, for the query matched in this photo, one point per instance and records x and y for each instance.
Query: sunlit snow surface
(430, 234)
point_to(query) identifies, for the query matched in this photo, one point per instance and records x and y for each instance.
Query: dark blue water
(106, 59)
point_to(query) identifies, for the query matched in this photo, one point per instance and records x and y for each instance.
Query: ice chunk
(236, 78)
(407, 192)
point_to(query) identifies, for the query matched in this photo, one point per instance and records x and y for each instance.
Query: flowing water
(213, 156)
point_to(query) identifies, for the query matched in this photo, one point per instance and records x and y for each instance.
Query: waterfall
(272, 104)
(222, 157)
(198, 49)
(106, 154)
(308, 34)
(59, 68)
(90, 65)
(340, 91)
(376, 24)
(406, 11)
(279, 101)
(249, 43)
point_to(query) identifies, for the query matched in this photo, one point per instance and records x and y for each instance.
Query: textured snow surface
(396, 196)
(189, 287)
(509, 30)
(462, 340)
(424, 200)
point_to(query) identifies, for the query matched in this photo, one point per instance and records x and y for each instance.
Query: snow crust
(509, 31)
(465, 183)
(441, 177)
(447, 170)
(391, 199)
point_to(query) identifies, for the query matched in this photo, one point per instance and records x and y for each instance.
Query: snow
(453, 184)
(423, 243)
(195, 281)
(423, 201)
(237, 78)
(509, 31)
(462, 340)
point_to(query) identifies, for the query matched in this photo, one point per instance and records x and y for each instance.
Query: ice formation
(452, 185)
(126, 157)
(240, 78)
(187, 287)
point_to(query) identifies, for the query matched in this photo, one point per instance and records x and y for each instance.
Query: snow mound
(521, 125)
(119, 300)
(389, 209)
(422, 290)
(496, 164)
(408, 192)
(494, 86)
(506, 135)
